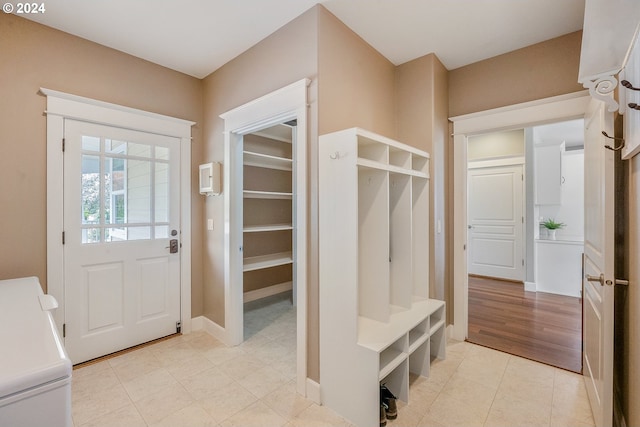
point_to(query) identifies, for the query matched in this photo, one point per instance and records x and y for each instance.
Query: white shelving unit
(377, 323)
(267, 213)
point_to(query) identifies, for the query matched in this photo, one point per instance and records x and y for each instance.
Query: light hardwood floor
(535, 325)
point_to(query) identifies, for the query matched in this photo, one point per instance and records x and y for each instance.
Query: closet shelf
(267, 161)
(266, 261)
(267, 227)
(253, 194)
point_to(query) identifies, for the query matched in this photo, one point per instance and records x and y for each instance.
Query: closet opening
(268, 279)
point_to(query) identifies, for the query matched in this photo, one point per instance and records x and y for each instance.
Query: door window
(125, 190)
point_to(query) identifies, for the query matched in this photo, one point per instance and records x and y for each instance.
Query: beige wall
(421, 120)
(34, 56)
(356, 83)
(539, 71)
(499, 144)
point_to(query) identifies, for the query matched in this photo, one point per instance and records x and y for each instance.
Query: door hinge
(63, 144)
(523, 220)
(63, 237)
(64, 330)
(523, 262)
(178, 327)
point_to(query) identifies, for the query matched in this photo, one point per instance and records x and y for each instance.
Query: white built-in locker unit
(377, 322)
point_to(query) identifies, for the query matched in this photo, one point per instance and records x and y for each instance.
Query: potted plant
(551, 226)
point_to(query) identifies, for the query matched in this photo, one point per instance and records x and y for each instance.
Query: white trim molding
(548, 110)
(61, 106)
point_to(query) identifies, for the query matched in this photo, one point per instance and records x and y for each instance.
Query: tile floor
(194, 380)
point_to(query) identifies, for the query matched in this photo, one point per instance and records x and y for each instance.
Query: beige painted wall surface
(356, 83)
(539, 71)
(285, 57)
(499, 144)
(34, 56)
(421, 120)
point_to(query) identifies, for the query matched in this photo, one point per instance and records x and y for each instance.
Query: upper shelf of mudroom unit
(267, 161)
(382, 153)
(252, 194)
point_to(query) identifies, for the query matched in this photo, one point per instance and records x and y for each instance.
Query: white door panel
(495, 199)
(121, 199)
(598, 262)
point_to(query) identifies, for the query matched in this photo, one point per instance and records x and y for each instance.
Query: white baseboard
(530, 286)
(449, 331)
(210, 327)
(313, 391)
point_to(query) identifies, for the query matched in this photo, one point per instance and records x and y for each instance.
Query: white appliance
(35, 371)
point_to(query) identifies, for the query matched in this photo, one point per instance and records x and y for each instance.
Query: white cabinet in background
(377, 322)
(548, 174)
(559, 267)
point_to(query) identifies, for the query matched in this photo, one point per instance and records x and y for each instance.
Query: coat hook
(618, 148)
(628, 85)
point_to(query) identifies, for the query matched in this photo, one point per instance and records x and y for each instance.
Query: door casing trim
(61, 106)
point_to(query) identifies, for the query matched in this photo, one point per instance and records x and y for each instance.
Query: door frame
(282, 105)
(547, 110)
(61, 106)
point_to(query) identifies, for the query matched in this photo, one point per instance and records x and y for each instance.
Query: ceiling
(197, 37)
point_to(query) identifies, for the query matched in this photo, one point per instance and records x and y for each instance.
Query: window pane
(162, 153)
(90, 235)
(118, 173)
(116, 234)
(90, 189)
(113, 146)
(90, 143)
(162, 192)
(138, 184)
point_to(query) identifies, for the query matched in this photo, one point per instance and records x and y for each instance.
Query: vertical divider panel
(400, 239)
(420, 233)
(373, 244)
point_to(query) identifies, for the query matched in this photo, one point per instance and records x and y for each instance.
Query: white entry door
(121, 238)
(598, 262)
(496, 222)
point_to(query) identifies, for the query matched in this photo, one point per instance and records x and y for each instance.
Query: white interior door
(496, 222)
(598, 262)
(121, 238)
